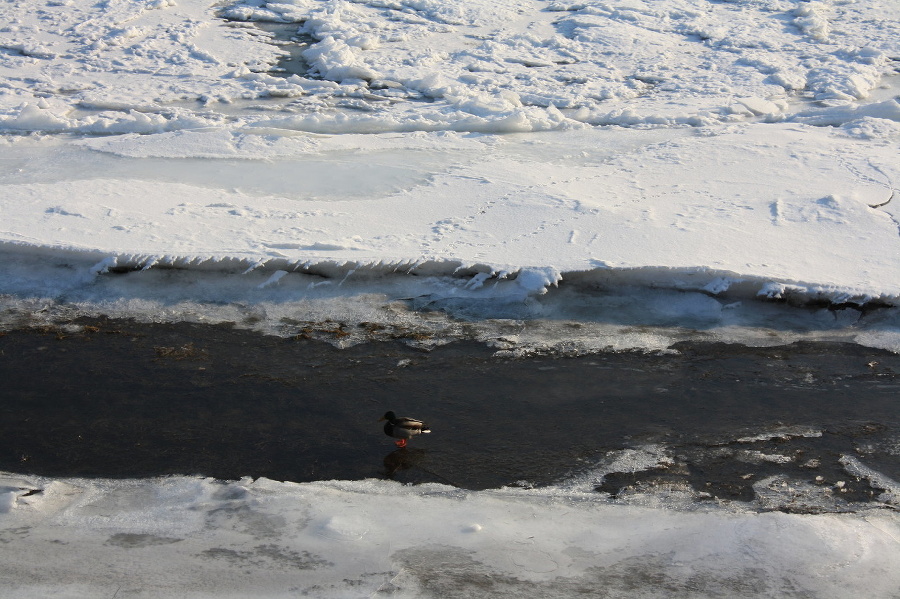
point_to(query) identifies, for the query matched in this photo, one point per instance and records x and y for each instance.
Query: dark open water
(122, 399)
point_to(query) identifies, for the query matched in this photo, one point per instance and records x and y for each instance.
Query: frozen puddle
(196, 537)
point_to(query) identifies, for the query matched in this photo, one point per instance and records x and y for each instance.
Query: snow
(197, 537)
(579, 176)
(689, 201)
(495, 219)
(408, 134)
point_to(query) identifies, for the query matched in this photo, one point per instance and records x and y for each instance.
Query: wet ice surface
(683, 369)
(713, 420)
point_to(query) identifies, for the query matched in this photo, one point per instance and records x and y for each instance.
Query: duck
(402, 428)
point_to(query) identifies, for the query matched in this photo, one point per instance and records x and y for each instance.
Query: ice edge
(532, 280)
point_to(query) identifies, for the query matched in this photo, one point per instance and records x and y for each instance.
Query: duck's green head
(389, 416)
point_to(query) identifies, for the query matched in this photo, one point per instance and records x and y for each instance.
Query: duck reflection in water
(402, 459)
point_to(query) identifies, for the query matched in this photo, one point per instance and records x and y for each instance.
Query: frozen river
(636, 263)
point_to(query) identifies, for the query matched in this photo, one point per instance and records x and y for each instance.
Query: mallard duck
(402, 428)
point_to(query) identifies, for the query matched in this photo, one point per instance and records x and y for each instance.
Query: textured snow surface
(196, 537)
(715, 156)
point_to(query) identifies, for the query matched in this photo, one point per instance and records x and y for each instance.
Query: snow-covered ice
(736, 150)
(193, 537)
(652, 170)
(385, 148)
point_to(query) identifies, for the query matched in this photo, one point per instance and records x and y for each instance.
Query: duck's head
(389, 416)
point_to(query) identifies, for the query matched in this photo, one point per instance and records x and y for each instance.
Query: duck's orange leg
(400, 442)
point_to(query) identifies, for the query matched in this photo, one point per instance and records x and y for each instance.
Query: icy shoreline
(435, 303)
(477, 227)
(510, 281)
(790, 202)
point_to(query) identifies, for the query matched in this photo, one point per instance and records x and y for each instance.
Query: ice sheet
(665, 228)
(374, 66)
(746, 144)
(800, 205)
(198, 537)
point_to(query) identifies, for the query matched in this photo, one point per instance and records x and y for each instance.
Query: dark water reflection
(120, 399)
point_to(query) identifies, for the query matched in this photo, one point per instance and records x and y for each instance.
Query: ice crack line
(895, 219)
(888, 183)
(886, 202)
